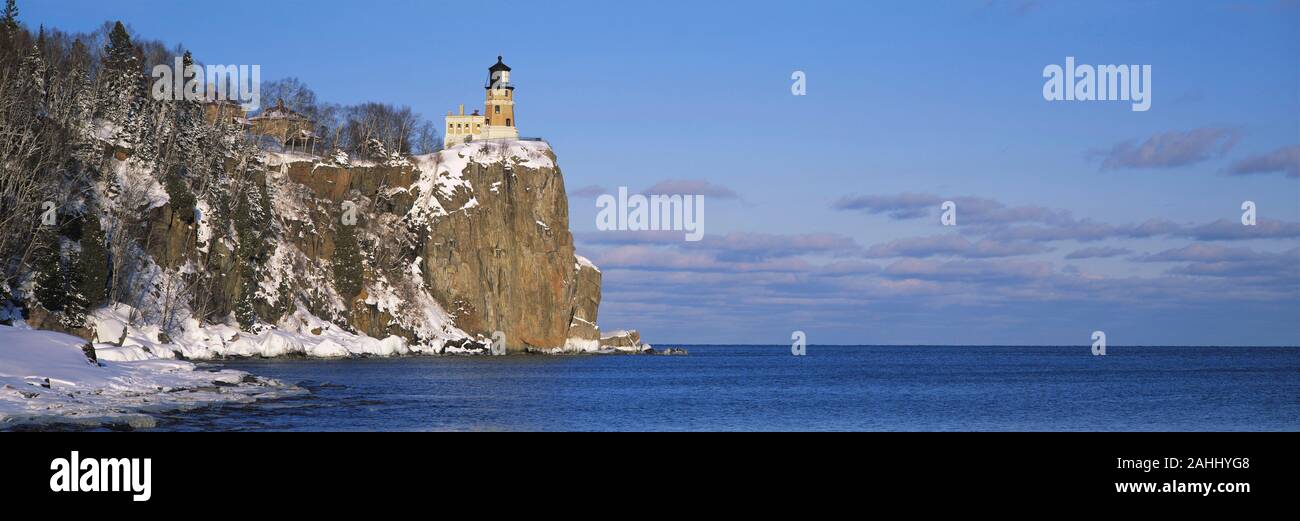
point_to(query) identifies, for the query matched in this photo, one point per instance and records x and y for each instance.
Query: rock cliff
(473, 239)
(446, 252)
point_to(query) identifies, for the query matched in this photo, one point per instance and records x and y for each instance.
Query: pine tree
(92, 263)
(9, 21)
(82, 108)
(189, 122)
(31, 83)
(139, 132)
(189, 131)
(119, 54)
(51, 292)
(347, 263)
(75, 303)
(252, 222)
(245, 259)
(121, 73)
(181, 197)
(72, 280)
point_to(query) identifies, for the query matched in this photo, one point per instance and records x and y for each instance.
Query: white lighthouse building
(498, 120)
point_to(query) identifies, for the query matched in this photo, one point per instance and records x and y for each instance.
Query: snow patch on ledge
(583, 262)
(285, 158)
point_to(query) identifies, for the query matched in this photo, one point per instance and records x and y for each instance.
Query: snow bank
(47, 380)
(581, 345)
(299, 334)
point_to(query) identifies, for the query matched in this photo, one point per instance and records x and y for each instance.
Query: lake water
(765, 388)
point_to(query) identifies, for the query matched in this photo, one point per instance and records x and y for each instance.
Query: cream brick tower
(500, 108)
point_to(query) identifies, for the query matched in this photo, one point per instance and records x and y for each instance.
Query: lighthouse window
(497, 108)
(507, 122)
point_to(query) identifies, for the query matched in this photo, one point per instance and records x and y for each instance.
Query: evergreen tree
(181, 197)
(72, 280)
(121, 76)
(347, 263)
(189, 132)
(31, 83)
(75, 303)
(82, 108)
(252, 222)
(245, 260)
(92, 263)
(9, 21)
(119, 53)
(189, 123)
(51, 291)
(139, 131)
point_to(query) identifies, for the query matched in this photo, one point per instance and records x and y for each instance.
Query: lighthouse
(498, 118)
(500, 107)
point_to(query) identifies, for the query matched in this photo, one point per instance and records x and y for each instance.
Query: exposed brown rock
(495, 253)
(507, 263)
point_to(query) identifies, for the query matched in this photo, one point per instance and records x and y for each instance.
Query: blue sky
(822, 210)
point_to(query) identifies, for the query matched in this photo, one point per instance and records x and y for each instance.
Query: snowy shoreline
(299, 335)
(47, 381)
(53, 380)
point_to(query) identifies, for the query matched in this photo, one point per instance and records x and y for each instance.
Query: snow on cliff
(583, 262)
(442, 173)
(46, 379)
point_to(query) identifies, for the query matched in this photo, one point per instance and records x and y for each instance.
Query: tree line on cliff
(91, 164)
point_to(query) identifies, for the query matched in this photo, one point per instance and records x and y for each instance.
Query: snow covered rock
(625, 341)
(584, 334)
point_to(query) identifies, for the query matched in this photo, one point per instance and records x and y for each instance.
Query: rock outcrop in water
(626, 341)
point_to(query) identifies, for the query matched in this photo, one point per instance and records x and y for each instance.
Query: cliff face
(447, 251)
(500, 259)
(480, 231)
(494, 226)
(584, 334)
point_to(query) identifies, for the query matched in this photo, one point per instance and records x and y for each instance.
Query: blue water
(765, 388)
